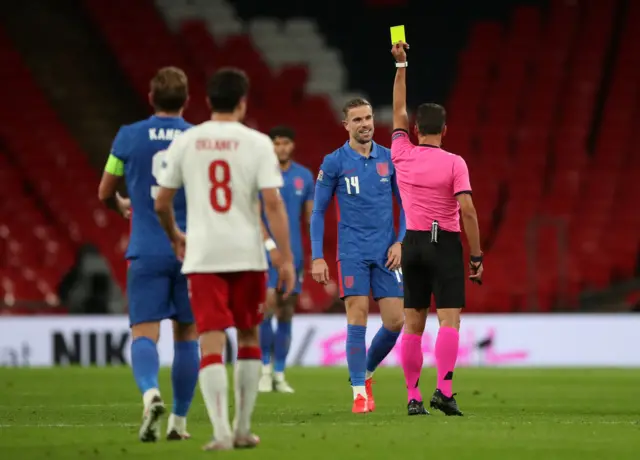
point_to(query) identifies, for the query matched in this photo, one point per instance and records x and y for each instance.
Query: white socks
(148, 396)
(215, 389)
(177, 423)
(247, 375)
(359, 390)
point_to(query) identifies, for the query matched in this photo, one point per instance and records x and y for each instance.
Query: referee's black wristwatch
(476, 260)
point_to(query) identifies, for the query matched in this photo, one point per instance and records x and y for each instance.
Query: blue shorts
(157, 290)
(272, 277)
(362, 277)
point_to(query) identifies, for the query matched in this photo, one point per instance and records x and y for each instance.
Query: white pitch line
(72, 406)
(291, 424)
(66, 425)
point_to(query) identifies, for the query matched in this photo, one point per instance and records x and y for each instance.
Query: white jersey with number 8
(222, 166)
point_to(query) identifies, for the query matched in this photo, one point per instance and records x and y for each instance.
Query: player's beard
(363, 138)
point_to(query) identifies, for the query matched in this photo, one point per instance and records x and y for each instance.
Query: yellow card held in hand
(397, 34)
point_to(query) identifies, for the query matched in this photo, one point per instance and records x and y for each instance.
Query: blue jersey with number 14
(141, 146)
(364, 188)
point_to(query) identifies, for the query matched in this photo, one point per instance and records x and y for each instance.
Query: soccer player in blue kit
(297, 194)
(155, 287)
(361, 177)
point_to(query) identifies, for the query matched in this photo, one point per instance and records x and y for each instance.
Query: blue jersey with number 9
(141, 147)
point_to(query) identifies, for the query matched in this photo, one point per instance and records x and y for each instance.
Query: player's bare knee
(414, 321)
(213, 342)
(248, 337)
(393, 320)
(184, 332)
(391, 310)
(286, 308)
(149, 330)
(357, 310)
(272, 299)
(449, 317)
(394, 324)
(285, 313)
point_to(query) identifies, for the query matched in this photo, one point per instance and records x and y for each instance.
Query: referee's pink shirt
(429, 179)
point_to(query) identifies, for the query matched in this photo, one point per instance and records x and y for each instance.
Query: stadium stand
(542, 107)
(48, 192)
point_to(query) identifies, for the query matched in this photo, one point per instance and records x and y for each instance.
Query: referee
(435, 190)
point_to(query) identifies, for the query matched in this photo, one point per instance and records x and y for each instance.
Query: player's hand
(399, 51)
(124, 206)
(475, 272)
(276, 257)
(320, 271)
(286, 278)
(394, 256)
(179, 245)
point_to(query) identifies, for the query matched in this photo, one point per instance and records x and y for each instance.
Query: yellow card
(397, 34)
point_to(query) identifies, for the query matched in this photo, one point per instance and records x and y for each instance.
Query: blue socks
(277, 343)
(356, 354)
(382, 344)
(145, 363)
(266, 340)
(184, 375)
(281, 345)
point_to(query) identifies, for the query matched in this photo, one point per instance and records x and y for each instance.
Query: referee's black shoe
(447, 405)
(416, 407)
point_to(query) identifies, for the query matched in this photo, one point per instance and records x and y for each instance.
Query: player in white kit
(223, 166)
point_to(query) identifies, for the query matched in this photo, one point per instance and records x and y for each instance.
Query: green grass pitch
(92, 413)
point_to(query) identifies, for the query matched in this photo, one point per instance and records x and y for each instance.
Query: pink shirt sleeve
(400, 144)
(461, 182)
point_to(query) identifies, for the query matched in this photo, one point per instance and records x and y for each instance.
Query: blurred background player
(155, 287)
(223, 166)
(436, 190)
(360, 174)
(297, 194)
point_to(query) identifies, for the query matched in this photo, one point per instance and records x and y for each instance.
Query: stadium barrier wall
(592, 340)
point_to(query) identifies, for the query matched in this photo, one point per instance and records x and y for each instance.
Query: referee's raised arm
(400, 115)
(435, 190)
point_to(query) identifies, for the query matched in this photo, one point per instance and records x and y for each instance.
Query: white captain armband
(270, 245)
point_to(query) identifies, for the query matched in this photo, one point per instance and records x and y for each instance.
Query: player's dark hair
(430, 119)
(169, 89)
(353, 103)
(282, 131)
(226, 88)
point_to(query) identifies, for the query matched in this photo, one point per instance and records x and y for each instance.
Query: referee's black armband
(400, 129)
(468, 192)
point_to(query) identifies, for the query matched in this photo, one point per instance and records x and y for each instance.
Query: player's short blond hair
(352, 104)
(169, 89)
